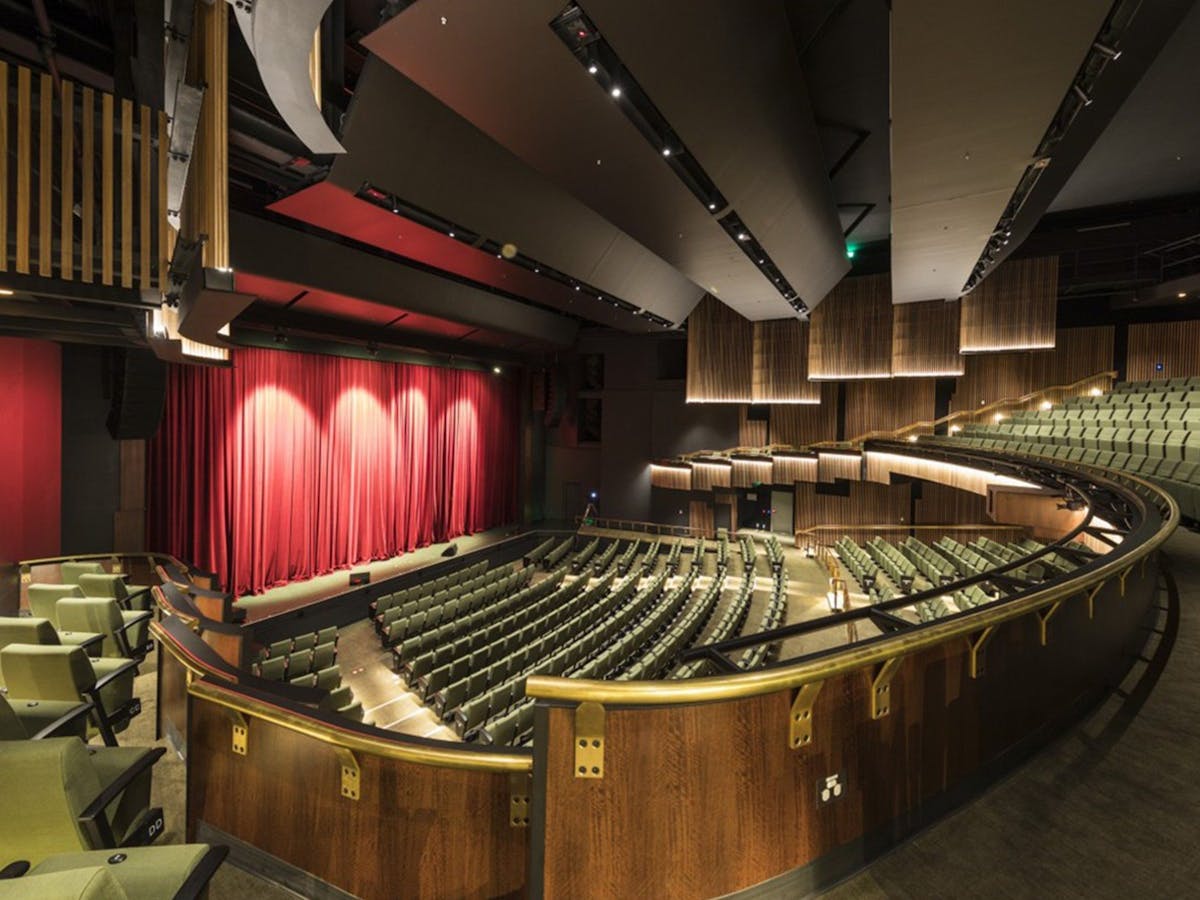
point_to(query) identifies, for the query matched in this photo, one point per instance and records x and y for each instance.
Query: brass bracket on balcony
(1044, 616)
(351, 775)
(1091, 599)
(116, 565)
(977, 643)
(881, 687)
(589, 740)
(518, 799)
(241, 731)
(1123, 576)
(800, 719)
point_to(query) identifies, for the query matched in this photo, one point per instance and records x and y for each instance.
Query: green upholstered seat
(22, 720)
(70, 571)
(61, 796)
(49, 672)
(138, 873)
(36, 630)
(125, 632)
(44, 597)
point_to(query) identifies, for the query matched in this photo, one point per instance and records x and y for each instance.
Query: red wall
(30, 448)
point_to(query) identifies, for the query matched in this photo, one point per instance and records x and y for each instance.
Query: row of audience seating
(310, 660)
(773, 617)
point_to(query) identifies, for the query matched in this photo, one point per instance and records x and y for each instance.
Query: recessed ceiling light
(443, 20)
(1180, 295)
(616, 92)
(536, 269)
(496, 370)
(742, 236)
(712, 206)
(592, 70)
(451, 234)
(666, 151)
(576, 287)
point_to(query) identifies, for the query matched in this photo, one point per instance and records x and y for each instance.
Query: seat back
(47, 784)
(14, 630)
(41, 672)
(103, 585)
(98, 615)
(43, 598)
(11, 728)
(69, 572)
(89, 882)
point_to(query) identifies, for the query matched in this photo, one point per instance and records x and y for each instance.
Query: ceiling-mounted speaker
(139, 389)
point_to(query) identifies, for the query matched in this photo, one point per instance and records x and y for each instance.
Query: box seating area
(1151, 429)
(310, 660)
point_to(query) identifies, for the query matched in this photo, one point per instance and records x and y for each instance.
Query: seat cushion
(146, 873)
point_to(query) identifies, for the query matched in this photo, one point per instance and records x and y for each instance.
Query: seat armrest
(197, 881)
(14, 869)
(93, 820)
(92, 643)
(115, 673)
(82, 711)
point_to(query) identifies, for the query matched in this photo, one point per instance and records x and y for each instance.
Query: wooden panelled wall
(851, 333)
(867, 504)
(1174, 345)
(925, 339)
(1079, 352)
(781, 363)
(86, 150)
(799, 424)
(887, 405)
(1014, 308)
(720, 354)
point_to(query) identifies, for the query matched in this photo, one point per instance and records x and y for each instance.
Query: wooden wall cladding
(925, 339)
(851, 331)
(416, 830)
(867, 504)
(781, 363)
(1078, 353)
(881, 467)
(82, 183)
(706, 476)
(677, 478)
(720, 354)
(834, 465)
(800, 424)
(888, 405)
(940, 504)
(1174, 345)
(1014, 308)
(701, 517)
(790, 469)
(748, 473)
(751, 432)
(705, 799)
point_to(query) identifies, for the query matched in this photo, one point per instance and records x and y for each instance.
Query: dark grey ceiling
(501, 67)
(1151, 148)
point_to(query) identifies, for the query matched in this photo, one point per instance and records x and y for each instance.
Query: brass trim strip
(126, 193)
(24, 168)
(107, 194)
(750, 684)
(87, 161)
(45, 173)
(66, 182)
(145, 239)
(447, 758)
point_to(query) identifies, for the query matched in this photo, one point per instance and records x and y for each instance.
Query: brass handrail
(448, 756)
(729, 687)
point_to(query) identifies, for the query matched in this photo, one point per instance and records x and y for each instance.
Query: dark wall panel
(91, 460)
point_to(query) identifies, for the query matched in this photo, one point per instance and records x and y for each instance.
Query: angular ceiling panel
(974, 87)
(502, 67)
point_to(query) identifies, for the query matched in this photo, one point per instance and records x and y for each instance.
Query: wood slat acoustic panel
(831, 466)
(751, 472)
(1175, 346)
(676, 478)
(781, 363)
(925, 339)
(751, 432)
(851, 331)
(942, 505)
(706, 476)
(801, 424)
(1077, 353)
(992, 376)
(701, 517)
(720, 351)
(867, 504)
(1012, 309)
(790, 469)
(66, 148)
(887, 405)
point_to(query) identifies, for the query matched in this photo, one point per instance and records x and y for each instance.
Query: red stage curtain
(291, 465)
